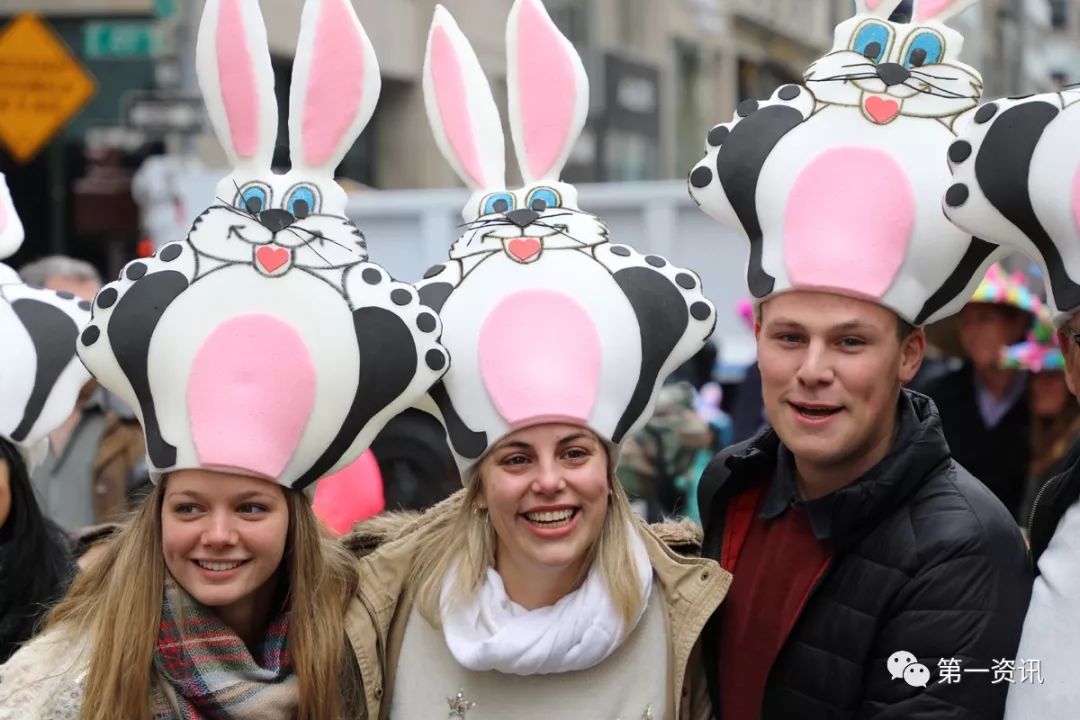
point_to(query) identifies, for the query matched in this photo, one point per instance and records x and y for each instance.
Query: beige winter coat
(691, 589)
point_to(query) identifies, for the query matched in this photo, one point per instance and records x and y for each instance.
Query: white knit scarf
(489, 631)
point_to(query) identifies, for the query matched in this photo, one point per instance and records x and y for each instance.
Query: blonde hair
(467, 540)
(116, 603)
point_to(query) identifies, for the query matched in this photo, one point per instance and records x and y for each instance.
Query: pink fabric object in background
(351, 495)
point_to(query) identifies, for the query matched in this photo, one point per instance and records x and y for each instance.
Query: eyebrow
(240, 498)
(522, 445)
(847, 326)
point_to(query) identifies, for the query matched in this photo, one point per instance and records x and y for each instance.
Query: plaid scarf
(212, 673)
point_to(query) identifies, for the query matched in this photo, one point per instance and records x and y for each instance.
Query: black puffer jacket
(925, 560)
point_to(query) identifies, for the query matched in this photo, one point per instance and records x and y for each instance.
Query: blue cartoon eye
(926, 48)
(872, 41)
(500, 202)
(543, 198)
(253, 197)
(302, 201)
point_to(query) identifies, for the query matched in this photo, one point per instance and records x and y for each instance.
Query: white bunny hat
(837, 182)
(40, 377)
(1017, 173)
(266, 343)
(544, 318)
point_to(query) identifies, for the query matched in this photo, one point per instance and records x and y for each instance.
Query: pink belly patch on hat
(540, 358)
(849, 221)
(250, 394)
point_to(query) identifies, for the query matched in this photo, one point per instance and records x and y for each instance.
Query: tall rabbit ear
(878, 8)
(335, 88)
(233, 61)
(11, 228)
(460, 107)
(939, 10)
(548, 91)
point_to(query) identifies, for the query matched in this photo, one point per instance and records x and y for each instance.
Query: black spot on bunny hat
(544, 317)
(258, 343)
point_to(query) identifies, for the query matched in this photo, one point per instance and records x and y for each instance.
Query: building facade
(662, 71)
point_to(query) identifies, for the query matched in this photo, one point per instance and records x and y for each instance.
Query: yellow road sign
(42, 86)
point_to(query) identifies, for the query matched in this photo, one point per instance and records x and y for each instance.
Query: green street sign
(122, 40)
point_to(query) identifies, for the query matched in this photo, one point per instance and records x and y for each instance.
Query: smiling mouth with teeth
(219, 566)
(550, 518)
(815, 412)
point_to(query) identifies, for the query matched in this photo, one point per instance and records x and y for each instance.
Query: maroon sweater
(776, 564)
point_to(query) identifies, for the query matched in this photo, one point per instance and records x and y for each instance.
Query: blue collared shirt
(783, 493)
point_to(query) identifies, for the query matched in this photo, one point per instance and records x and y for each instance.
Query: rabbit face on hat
(546, 320)
(549, 101)
(40, 376)
(266, 343)
(837, 183)
(890, 70)
(275, 222)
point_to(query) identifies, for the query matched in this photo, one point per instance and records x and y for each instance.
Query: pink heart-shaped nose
(524, 248)
(271, 258)
(882, 109)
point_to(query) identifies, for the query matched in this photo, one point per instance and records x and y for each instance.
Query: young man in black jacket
(873, 576)
(853, 535)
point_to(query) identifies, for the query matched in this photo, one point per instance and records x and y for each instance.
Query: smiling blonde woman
(258, 361)
(536, 592)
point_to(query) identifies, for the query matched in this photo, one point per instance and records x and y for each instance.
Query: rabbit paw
(369, 286)
(136, 302)
(999, 149)
(724, 184)
(659, 294)
(439, 281)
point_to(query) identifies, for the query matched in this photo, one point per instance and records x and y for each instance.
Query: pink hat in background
(351, 495)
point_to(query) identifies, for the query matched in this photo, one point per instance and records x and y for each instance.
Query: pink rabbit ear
(11, 228)
(878, 8)
(939, 10)
(460, 107)
(335, 88)
(237, 81)
(548, 91)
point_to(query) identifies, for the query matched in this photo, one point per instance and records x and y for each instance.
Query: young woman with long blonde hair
(536, 592)
(260, 354)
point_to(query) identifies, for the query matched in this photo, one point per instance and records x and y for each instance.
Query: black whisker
(935, 91)
(309, 246)
(244, 210)
(560, 231)
(862, 64)
(237, 211)
(922, 74)
(318, 236)
(844, 78)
